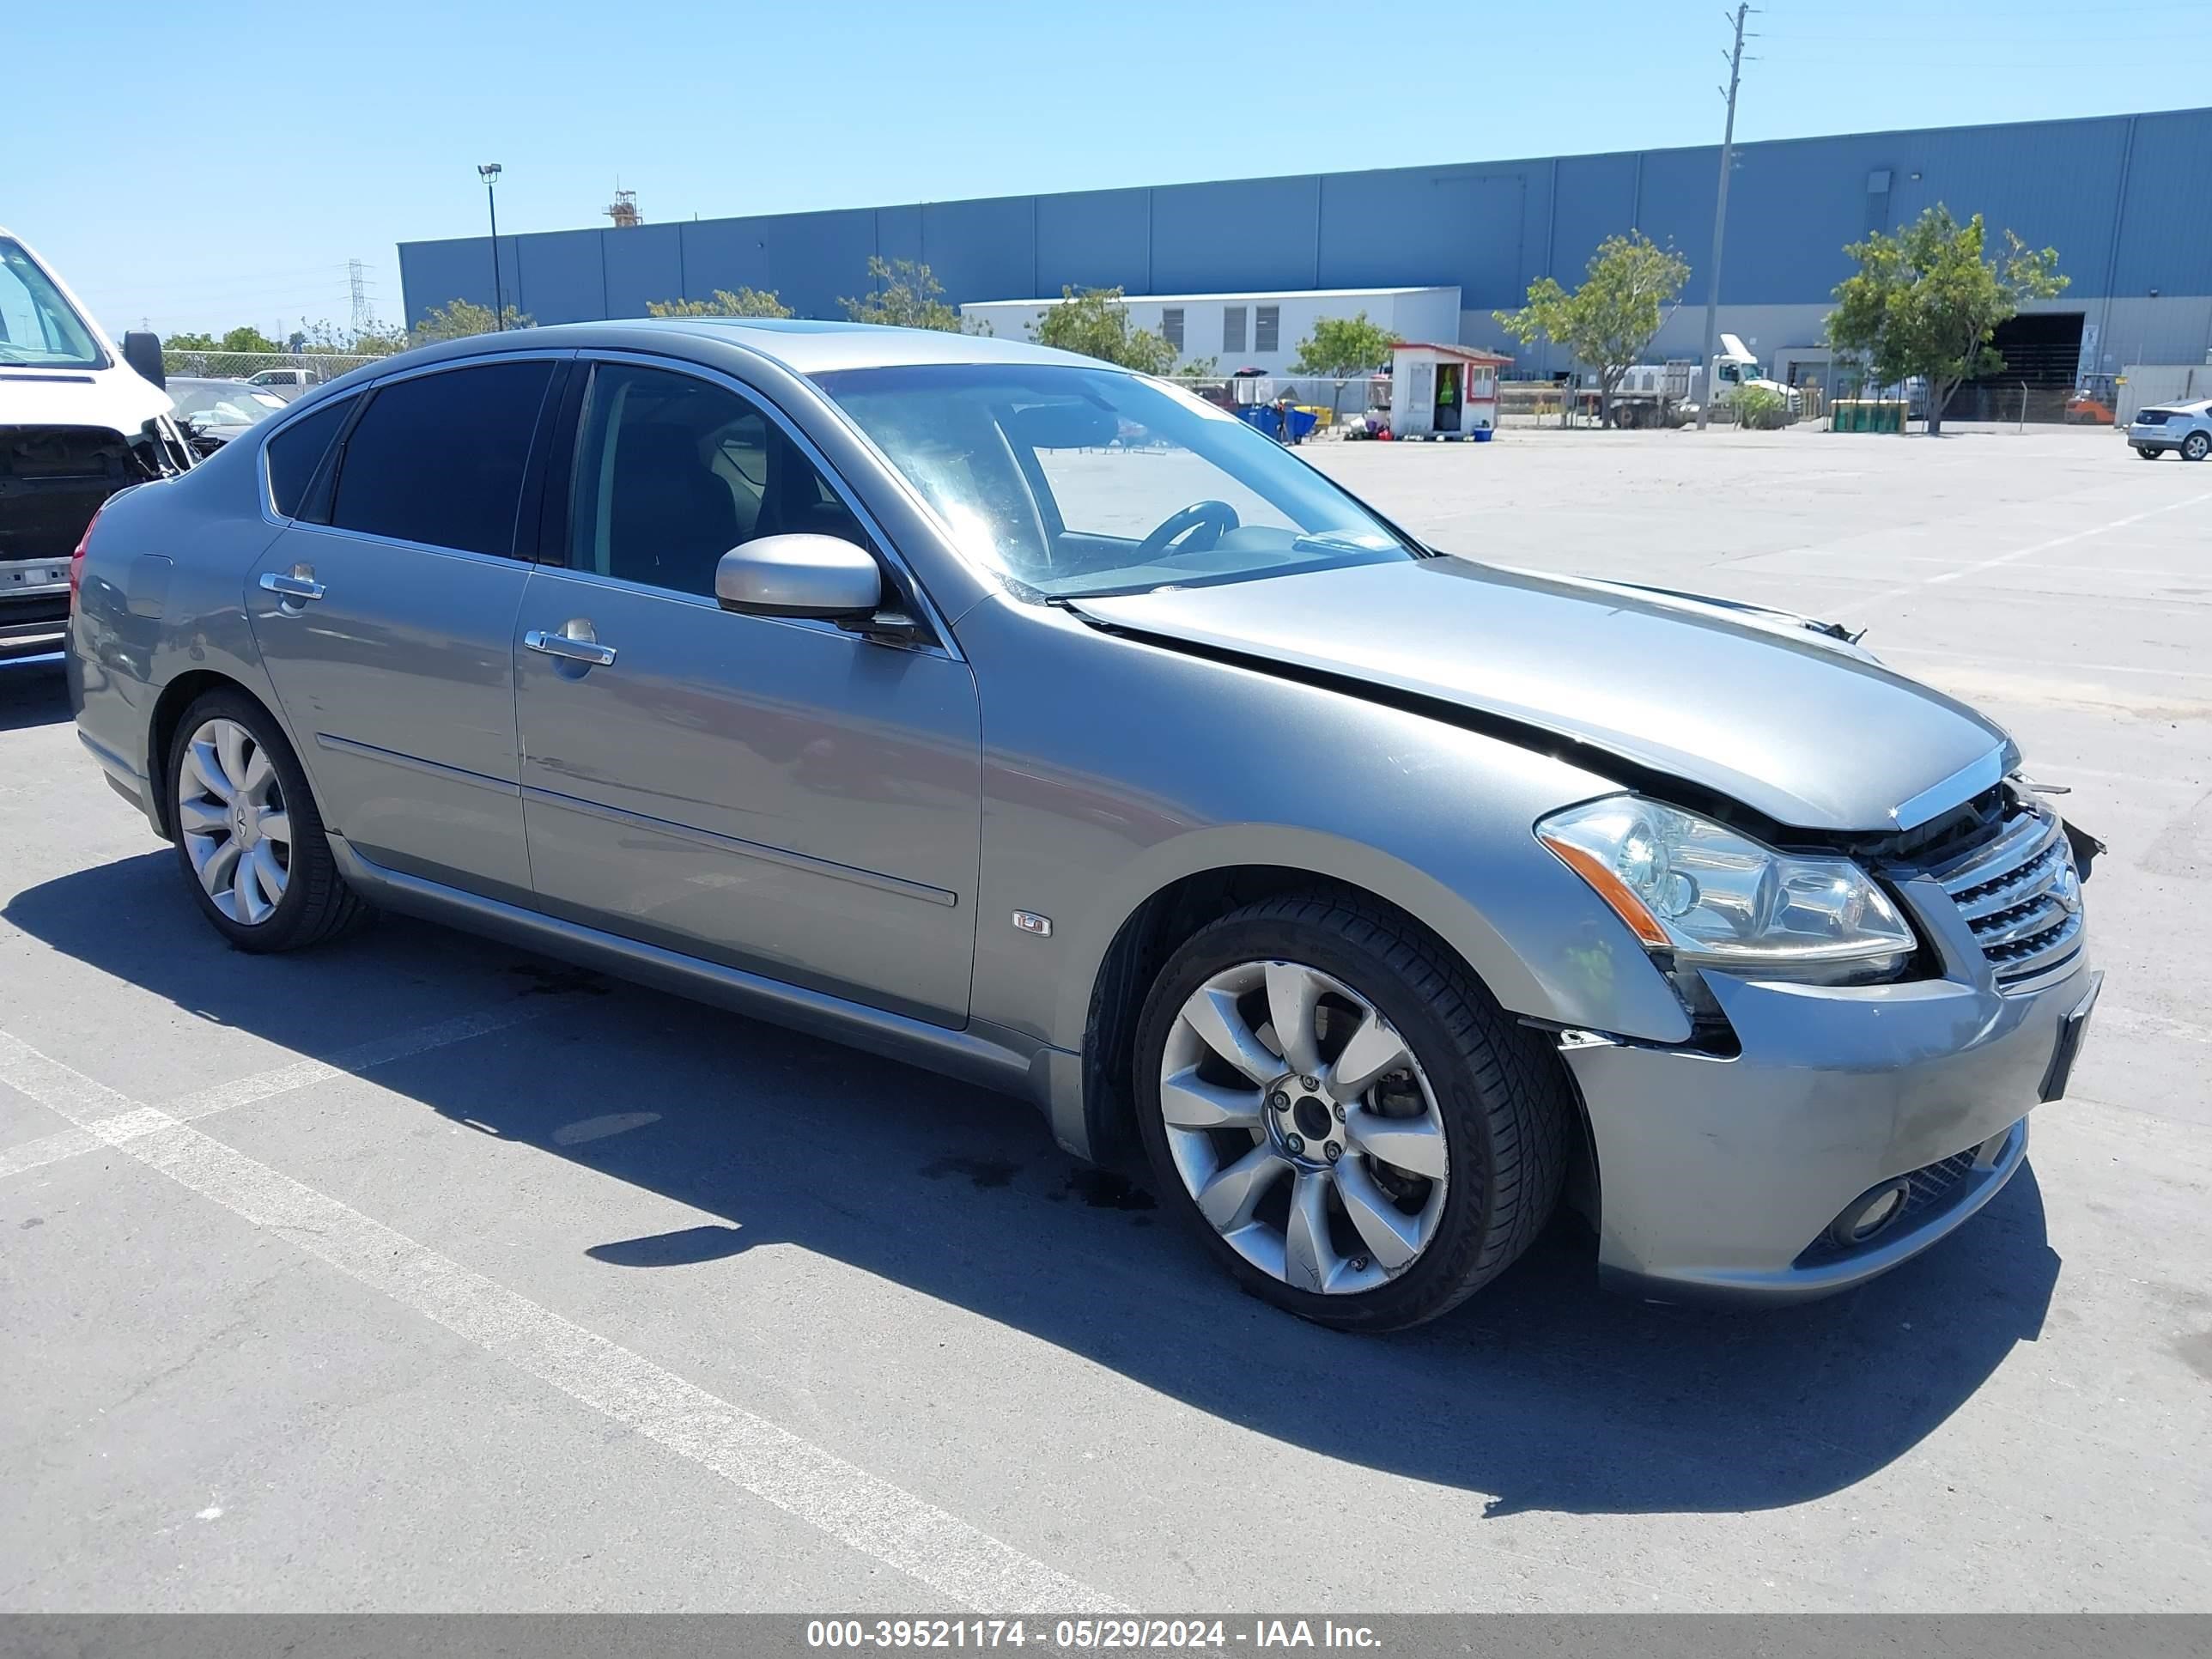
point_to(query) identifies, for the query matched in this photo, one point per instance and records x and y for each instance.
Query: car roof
(802, 345)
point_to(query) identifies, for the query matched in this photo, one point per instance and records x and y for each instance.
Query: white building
(1249, 331)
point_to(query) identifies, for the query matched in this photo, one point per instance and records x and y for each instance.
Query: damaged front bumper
(1720, 1177)
(1823, 1135)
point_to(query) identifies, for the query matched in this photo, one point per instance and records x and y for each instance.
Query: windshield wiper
(1355, 541)
(1334, 541)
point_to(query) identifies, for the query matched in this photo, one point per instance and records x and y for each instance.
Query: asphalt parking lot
(452, 1278)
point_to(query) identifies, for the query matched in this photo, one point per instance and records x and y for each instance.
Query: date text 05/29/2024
(1090, 1634)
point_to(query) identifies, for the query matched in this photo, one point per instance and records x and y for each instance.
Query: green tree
(189, 341)
(457, 319)
(1759, 408)
(1928, 300)
(745, 303)
(1628, 291)
(905, 296)
(248, 338)
(372, 339)
(1095, 324)
(1340, 347)
(327, 339)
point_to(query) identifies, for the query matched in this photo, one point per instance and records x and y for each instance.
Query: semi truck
(1666, 394)
(79, 422)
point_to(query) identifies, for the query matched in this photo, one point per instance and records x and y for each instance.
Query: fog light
(1867, 1214)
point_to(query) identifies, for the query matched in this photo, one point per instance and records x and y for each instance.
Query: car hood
(1767, 709)
(114, 399)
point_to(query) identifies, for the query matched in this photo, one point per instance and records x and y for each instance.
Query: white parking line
(880, 1520)
(47, 1149)
(2043, 666)
(2158, 1025)
(2020, 553)
(381, 1051)
(261, 1086)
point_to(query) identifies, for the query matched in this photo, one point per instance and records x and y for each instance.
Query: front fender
(1113, 768)
(1565, 959)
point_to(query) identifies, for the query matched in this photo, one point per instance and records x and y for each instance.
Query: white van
(79, 420)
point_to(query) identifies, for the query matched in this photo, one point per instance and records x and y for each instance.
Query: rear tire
(249, 837)
(1478, 1101)
(2148, 453)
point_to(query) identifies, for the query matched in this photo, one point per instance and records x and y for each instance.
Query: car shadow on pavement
(32, 693)
(1542, 1393)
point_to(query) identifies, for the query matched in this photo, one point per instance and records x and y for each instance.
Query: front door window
(673, 472)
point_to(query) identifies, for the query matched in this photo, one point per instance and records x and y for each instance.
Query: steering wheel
(1218, 516)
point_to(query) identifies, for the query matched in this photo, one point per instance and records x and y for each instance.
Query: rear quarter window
(297, 451)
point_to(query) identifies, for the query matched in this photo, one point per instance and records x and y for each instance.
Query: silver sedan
(1029, 720)
(2184, 429)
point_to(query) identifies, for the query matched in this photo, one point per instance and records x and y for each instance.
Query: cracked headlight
(1715, 898)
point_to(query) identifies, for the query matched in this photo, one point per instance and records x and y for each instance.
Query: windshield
(227, 402)
(1079, 481)
(39, 328)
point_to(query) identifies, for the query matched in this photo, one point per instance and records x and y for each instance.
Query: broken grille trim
(2019, 895)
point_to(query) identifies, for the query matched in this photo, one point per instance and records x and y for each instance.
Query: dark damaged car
(78, 423)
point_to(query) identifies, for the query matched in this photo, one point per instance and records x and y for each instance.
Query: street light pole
(1720, 227)
(490, 173)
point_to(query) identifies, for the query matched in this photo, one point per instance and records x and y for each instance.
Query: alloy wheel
(231, 812)
(1304, 1127)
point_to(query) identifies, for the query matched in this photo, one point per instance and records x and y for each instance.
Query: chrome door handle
(569, 648)
(297, 587)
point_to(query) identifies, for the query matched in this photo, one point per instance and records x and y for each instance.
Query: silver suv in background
(1031, 720)
(287, 383)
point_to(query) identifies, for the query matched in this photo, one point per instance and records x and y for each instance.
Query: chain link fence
(292, 368)
(1358, 407)
(1331, 409)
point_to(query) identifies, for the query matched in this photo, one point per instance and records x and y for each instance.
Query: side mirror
(142, 351)
(820, 576)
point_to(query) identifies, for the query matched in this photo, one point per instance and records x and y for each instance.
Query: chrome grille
(2019, 894)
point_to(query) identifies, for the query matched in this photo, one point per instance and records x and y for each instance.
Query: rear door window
(297, 451)
(439, 458)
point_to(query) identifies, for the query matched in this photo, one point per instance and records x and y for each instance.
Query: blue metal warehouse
(2126, 199)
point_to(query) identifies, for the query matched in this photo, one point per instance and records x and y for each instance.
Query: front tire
(248, 836)
(2196, 446)
(1353, 1126)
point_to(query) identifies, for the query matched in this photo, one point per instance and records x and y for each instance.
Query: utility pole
(358, 284)
(489, 173)
(1720, 224)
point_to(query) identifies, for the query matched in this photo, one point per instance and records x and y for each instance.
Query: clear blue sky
(205, 165)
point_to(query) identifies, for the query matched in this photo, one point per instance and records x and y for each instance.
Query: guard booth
(1443, 392)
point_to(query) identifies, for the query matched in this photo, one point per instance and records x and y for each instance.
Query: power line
(1720, 222)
